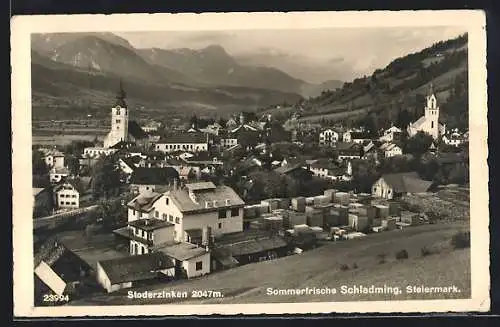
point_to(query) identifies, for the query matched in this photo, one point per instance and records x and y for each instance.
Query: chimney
(206, 236)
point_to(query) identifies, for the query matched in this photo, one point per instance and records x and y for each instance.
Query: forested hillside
(396, 93)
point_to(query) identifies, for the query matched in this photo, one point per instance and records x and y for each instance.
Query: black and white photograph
(250, 163)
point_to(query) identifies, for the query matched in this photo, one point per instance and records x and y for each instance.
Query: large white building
(429, 122)
(328, 137)
(192, 142)
(119, 121)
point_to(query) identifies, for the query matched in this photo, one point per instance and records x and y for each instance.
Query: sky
(314, 55)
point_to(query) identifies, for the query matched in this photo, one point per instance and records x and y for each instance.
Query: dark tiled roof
(287, 169)
(184, 138)
(153, 176)
(409, 182)
(150, 224)
(360, 135)
(135, 268)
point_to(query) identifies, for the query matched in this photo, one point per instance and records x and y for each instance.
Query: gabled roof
(180, 197)
(135, 268)
(253, 245)
(71, 182)
(144, 202)
(150, 224)
(288, 168)
(153, 176)
(409, 182)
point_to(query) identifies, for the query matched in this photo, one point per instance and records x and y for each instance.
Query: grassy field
(321, 267)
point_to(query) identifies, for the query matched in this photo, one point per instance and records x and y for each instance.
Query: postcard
(250, 163)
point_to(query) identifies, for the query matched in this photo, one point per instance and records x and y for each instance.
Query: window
(432, 124)
(220, 225)
(177, 220)
(235, 212)
(199, 265)
(118, 121)
(166, 201)
(164, 216)
(133, 212)
(73, 203)
(222, 214)
(170, 218)
(61, 203)
(62, 195)
(157, 214)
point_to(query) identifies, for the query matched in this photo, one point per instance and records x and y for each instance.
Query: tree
(193, 121)
(105, 177)
(418, 144)
(39, 165)
(191, 175)
(73, 164)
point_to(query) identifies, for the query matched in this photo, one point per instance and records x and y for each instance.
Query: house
(199, 205)
(247, 247)
(67, 194)
(213, 129)
(296, 171)
(147, 233)
(58, 174)
(390, 186)
(122, 273)
(349, 150)
(53, 158)
(328, 137)
(189, 259)
(360, 137)
(390, 150)
(57, 270)
(328, 169)
(346, 136)
(391, 134)
(245, 135)
(429, 122)
(43, 202)
(149, 179)
(151, 126)
(453, 139)
(193, 142)
(141, 207)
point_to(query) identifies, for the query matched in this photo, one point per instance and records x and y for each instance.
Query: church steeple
(120, 96)
(430, 92)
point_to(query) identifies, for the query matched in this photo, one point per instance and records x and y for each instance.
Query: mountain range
(81, 70)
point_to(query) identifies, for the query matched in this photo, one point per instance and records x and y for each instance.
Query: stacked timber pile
(435, 206)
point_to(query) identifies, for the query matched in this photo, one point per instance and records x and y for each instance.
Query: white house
(193, 142)
(390, 186)
(199, 205)
(67, 195)
(390, 150)
(391, 134)
(429, 122)
(328, 137)
(53, 158)
(346, 136)
(194, 260)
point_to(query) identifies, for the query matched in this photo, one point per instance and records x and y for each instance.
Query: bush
(355, 266)
(402, 254)
(461, 240)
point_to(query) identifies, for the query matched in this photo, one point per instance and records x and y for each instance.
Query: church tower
(119, 120)
(431, 113)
